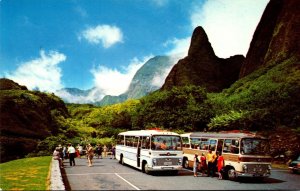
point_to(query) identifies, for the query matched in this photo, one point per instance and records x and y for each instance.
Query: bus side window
(227, 145)
(126, 140)
(143, 142)
(220, 145)
(204, 144)
(212, 145)
(195, 143)
(135, 141)
(234, 146)
(185, 142)
(147, 142)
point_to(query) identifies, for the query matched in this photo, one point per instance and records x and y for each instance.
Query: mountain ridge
(203, 68)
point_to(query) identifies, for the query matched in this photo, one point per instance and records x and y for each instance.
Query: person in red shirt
(203, 163)
(220, 164)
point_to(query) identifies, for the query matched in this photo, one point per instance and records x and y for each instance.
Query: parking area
(108, 174)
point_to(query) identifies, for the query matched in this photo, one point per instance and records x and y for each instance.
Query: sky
(48, 45)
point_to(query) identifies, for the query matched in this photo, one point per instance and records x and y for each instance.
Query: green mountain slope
(147, 79)
(26, 117)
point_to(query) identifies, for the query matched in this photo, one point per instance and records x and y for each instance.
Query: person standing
(210, 165)
(195, 165)
(71, 151)
(79, 147)
(90, 154)
(220, 164)
(203, 167)
(99, 151)
(64, 152)
(113, 152)
(105, 151)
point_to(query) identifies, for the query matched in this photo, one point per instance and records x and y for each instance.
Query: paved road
(108, 174)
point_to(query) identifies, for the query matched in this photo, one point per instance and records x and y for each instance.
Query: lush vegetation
(26, 118)
(182, 108)
(264, 101)
(267, 99)
(25, 174)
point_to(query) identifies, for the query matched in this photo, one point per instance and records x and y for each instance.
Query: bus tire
(121, 160)
(185, 163)
(231, 174)
(145, 168)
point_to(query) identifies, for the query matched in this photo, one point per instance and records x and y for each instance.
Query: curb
(56, 181)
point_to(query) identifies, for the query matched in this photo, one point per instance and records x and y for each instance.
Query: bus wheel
(231, 174)
(145, 168)
(185, 163)
(121, 160)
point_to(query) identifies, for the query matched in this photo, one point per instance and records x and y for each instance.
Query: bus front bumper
(258, 175)
(164, 168)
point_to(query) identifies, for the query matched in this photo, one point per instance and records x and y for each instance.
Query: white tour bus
(150, 150)
(245, 154)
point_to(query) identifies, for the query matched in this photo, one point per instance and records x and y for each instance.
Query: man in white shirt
(71, 151)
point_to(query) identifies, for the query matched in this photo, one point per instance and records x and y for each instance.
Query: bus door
(138, 155)
(220, 145)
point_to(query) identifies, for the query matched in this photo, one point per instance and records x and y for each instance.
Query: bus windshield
(253, 146)
(165, 142)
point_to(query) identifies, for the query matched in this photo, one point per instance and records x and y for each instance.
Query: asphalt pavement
(103, 175)
(108, 174)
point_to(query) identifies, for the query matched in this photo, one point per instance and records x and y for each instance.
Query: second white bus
(150, 150)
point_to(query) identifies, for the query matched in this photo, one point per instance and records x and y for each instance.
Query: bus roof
(223, 134)
(148, 132)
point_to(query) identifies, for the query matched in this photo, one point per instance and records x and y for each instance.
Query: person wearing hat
(195, 165)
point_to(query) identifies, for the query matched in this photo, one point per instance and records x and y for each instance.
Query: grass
(25, 174)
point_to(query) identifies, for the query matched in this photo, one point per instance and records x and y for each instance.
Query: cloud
(42, 73)
(229, 24)
(107, 81)
(160, 77)
(70, 98)
(179, 46)
(115, 82)
(178, 50)
(105, 34)
(160, 3)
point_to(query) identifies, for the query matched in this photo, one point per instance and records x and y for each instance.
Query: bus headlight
(154, 162)
(179, 161)
(245, 168)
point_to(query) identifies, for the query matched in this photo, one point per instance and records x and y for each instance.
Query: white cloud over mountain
(114, 82)
(41, 73)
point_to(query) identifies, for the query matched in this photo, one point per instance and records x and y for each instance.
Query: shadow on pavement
(259, 180)
(65, 179)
